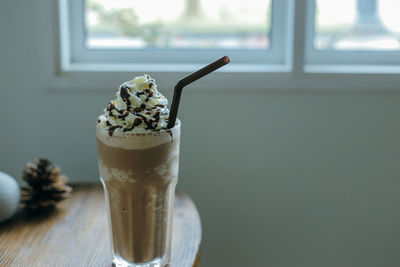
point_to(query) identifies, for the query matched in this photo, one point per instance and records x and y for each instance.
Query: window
(283, 39)
(345, 33)
(155, 35)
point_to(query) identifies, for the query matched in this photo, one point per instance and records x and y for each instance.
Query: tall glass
(139, 173)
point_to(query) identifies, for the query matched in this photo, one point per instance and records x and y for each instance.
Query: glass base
(119, 262)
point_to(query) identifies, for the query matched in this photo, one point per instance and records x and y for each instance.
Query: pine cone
(46, 185)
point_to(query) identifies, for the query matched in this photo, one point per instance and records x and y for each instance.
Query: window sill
(106, 77)
(95, 77)
(172, 68)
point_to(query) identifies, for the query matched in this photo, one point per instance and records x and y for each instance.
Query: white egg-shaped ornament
(10, 195)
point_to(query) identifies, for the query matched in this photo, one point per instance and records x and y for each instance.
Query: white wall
(280, 178)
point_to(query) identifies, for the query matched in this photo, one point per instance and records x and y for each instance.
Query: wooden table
(76, 234)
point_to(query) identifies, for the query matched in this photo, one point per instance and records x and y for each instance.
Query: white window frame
(77, 56)
(297, 66)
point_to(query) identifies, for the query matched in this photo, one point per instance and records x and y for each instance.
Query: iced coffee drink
(138, 163)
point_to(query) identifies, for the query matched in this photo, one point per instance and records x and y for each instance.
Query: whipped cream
(139, 108)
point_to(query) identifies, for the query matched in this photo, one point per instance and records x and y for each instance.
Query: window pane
(199, 24)
(357, 25)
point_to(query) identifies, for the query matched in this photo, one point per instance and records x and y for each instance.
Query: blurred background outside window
(183, 24)
(236, 24)
(357, 25)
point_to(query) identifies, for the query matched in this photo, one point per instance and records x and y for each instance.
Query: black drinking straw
(188, 80)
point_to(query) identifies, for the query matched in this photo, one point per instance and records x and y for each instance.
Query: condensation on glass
(357, 25)
(190, 24)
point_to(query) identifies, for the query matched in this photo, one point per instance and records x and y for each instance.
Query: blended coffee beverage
(138, 164)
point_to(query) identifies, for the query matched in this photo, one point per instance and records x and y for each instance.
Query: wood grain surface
(76, 234)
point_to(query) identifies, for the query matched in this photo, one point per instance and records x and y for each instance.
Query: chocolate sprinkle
(124, 92)
(112, 129)
(149, 123)
(123, 116)
(137, 122)
(157, 116)
(112, 107)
